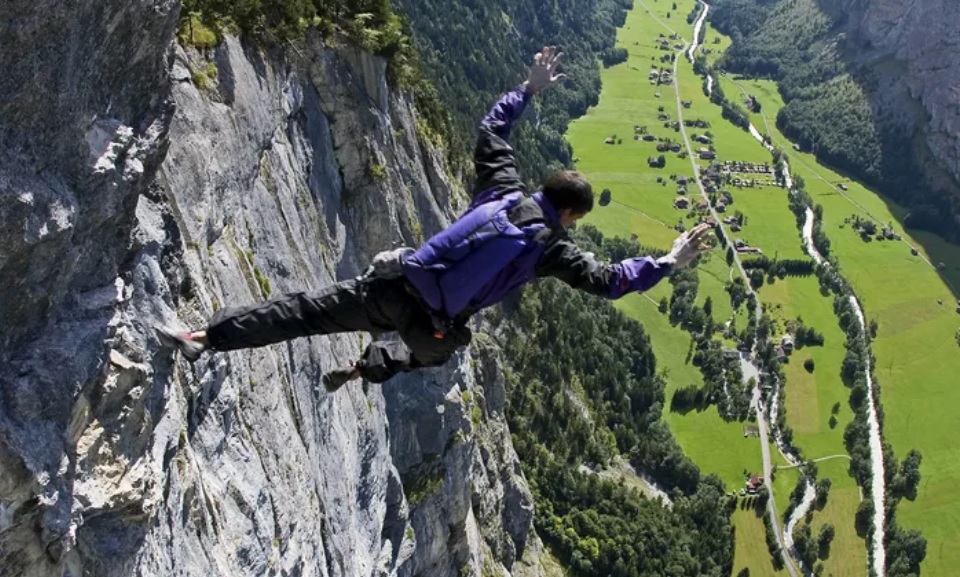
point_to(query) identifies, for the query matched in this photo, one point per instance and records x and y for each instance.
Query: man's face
(568, 217)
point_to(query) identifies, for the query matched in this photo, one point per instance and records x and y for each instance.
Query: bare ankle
(200, 337)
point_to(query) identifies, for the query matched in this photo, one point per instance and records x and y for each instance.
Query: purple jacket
(456, 274)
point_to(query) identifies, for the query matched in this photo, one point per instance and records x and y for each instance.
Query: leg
(420, 348)
(343, 307)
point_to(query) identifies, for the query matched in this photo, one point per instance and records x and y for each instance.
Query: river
(877, 488)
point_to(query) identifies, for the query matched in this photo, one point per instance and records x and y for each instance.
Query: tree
(827, 532)
(664, 306)
(605, 197)
(808, 365)
(822, 488)
(708, 307)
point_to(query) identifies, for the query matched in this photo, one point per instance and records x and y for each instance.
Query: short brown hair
(569, 189)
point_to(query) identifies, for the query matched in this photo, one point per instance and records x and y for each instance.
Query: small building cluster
(742, 247)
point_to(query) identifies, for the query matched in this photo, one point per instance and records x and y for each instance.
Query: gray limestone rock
(133, 197)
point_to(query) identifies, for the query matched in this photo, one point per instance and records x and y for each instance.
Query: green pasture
(918, 359)
(784, 482)
(810, 397)
(714, 445)
(751, 546)
(848, 551)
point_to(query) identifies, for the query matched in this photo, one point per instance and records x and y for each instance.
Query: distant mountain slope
(870, 85)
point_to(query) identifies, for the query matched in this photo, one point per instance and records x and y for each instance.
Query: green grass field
(644, 207)
(751, 552)
(810, 397)
(848, 551)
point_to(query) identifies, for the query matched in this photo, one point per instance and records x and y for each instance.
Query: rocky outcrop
(142, 184)
(912, 50)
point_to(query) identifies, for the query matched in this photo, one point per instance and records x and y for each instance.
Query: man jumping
(506, 238)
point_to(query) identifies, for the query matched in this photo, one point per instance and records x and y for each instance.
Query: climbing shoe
(333, 380)
(183, 342)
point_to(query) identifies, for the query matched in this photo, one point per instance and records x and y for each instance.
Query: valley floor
(915, 347)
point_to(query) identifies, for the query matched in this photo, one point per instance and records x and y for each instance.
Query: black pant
(373, 305)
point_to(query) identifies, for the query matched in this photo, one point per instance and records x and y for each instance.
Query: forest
(583, 390)
(475, 50)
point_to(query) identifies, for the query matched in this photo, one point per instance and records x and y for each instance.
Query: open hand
(543, 73)
(689, 246)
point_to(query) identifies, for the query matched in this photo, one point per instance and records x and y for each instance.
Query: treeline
(799, 201)
(583, 389)
(780, 268)
(476, 50)
(827, 110)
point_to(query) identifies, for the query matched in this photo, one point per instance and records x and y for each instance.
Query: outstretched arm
(564, 260)
(494, 160)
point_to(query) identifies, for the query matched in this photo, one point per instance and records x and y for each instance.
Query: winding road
(755, 400)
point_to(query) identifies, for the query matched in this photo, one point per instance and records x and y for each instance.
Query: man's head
(570, 194)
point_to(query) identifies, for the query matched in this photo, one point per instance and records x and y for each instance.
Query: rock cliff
(141, 182)
(914, 52)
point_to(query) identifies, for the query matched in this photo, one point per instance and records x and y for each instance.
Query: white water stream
(877, 488)
(809, 494)
(696, 31)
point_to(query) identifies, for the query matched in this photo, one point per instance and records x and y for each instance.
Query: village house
(654, 74)
(731, 354)
(753, 484)
(708, 155)
(682, 180)
(682, 203)
(703, 205)
(787, 343)
(609, 140)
